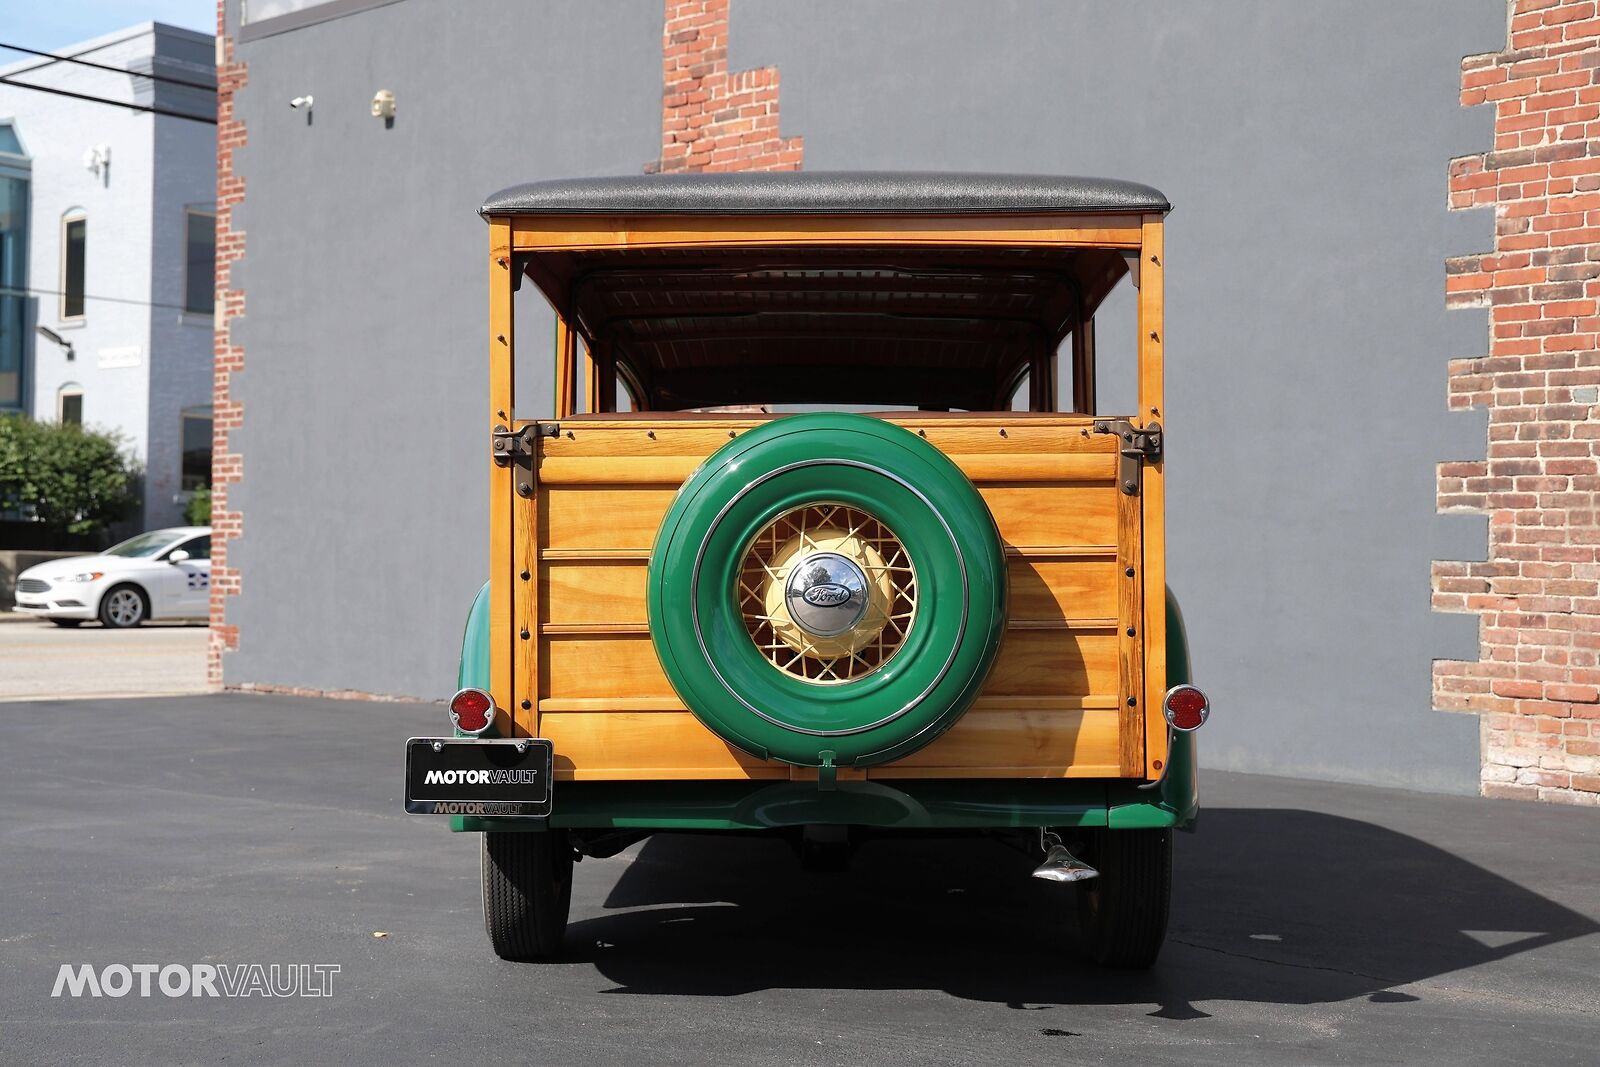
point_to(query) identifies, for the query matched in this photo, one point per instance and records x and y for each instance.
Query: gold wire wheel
(827, 562)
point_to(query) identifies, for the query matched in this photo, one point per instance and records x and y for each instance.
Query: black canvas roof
(825, 193)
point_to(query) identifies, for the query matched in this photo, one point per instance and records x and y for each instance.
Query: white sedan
(162, 574)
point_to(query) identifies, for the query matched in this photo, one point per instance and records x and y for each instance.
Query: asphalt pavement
(1313, 923)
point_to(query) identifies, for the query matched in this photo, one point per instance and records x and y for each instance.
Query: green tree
(70, 479)
(197, 512)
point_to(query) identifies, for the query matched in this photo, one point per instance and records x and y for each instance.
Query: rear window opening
(756, 331)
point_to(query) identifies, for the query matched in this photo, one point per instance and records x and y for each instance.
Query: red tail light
(1186, 708)
(472, 710)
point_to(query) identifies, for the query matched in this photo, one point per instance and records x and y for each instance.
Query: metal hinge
(516, 448)
(1139, 443)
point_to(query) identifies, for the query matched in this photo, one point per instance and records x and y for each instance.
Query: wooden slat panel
(673, 469)
(502, 548)
(1152, 404)
(1056, 589)
(621, 745)
(621, 668)
(589, 593)
(602, 518)
(1050, 708)
(666, 745)
(1031, 663)
(1053, 514)
(552, 232)
(1067, 435)
(1046, 663)
(1038, 743)
(525, 624)
(1083, 467)
(1130, 651)
(986, 704)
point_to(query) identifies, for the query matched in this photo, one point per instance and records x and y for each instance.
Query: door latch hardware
(1139, 444)
(515, 448)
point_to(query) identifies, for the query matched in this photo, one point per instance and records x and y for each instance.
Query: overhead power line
(211, 119)
(31, 291)
(163, 78)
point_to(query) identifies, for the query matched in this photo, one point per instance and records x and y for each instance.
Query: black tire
(1122, 915)
(527, 893)
(114, 613)
(68, 623)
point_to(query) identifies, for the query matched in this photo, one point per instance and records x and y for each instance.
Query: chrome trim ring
(455, 720)
(699, 562)
(1205, 709)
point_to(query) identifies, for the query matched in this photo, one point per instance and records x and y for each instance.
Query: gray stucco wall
(365, 490)
(1305, 146)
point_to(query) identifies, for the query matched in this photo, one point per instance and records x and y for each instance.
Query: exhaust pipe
(1060, 865)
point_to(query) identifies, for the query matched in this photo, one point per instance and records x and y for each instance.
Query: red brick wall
(226, 465)
(1537, 596)
(711, 119)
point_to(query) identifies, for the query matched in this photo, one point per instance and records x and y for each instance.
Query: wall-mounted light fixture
(97, 161)
(50, 335)
(383, 106)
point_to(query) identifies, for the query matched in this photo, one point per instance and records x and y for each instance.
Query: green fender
(474, 668)
(1175, 799)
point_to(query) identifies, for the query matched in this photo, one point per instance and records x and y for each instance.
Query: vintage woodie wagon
(825, 537)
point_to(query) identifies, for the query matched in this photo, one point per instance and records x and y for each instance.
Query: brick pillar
(226, 465)
(710, 119)
(1537, 595)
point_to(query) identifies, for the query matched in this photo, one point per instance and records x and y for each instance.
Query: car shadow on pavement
(1279, 906)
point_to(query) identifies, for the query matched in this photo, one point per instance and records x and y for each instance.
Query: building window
(15, 171)
(74, 239)
(200, 261)
(196, 448)
(69, 405)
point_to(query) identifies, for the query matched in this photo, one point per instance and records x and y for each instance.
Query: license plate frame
(510, 777)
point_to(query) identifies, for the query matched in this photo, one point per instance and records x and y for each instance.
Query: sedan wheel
(123, 607)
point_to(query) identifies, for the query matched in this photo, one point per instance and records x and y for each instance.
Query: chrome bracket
(1139, 444)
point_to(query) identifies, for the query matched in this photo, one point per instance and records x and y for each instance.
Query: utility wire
(30, 291)
(168, 79)
(114, 103)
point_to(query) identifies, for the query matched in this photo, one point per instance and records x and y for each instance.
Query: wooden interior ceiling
(915, 326)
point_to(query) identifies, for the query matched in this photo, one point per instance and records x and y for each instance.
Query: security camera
(300, 102)
(383, 104)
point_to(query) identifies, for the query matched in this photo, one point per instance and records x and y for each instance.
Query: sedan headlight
(86, 576)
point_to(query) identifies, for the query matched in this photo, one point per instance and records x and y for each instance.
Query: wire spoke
(892, 593)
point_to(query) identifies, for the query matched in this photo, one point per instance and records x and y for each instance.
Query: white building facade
(107, 223)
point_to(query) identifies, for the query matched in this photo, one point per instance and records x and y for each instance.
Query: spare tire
(827, 588)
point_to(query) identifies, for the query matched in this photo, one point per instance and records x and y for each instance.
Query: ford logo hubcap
(826, 594)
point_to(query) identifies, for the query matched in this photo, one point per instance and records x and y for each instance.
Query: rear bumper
(907, 804)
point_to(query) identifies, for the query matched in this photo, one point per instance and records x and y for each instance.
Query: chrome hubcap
(826, 594)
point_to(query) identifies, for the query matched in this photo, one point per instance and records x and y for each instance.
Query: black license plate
(468, 776)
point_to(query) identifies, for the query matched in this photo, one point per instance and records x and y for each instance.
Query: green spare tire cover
(827, 588)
